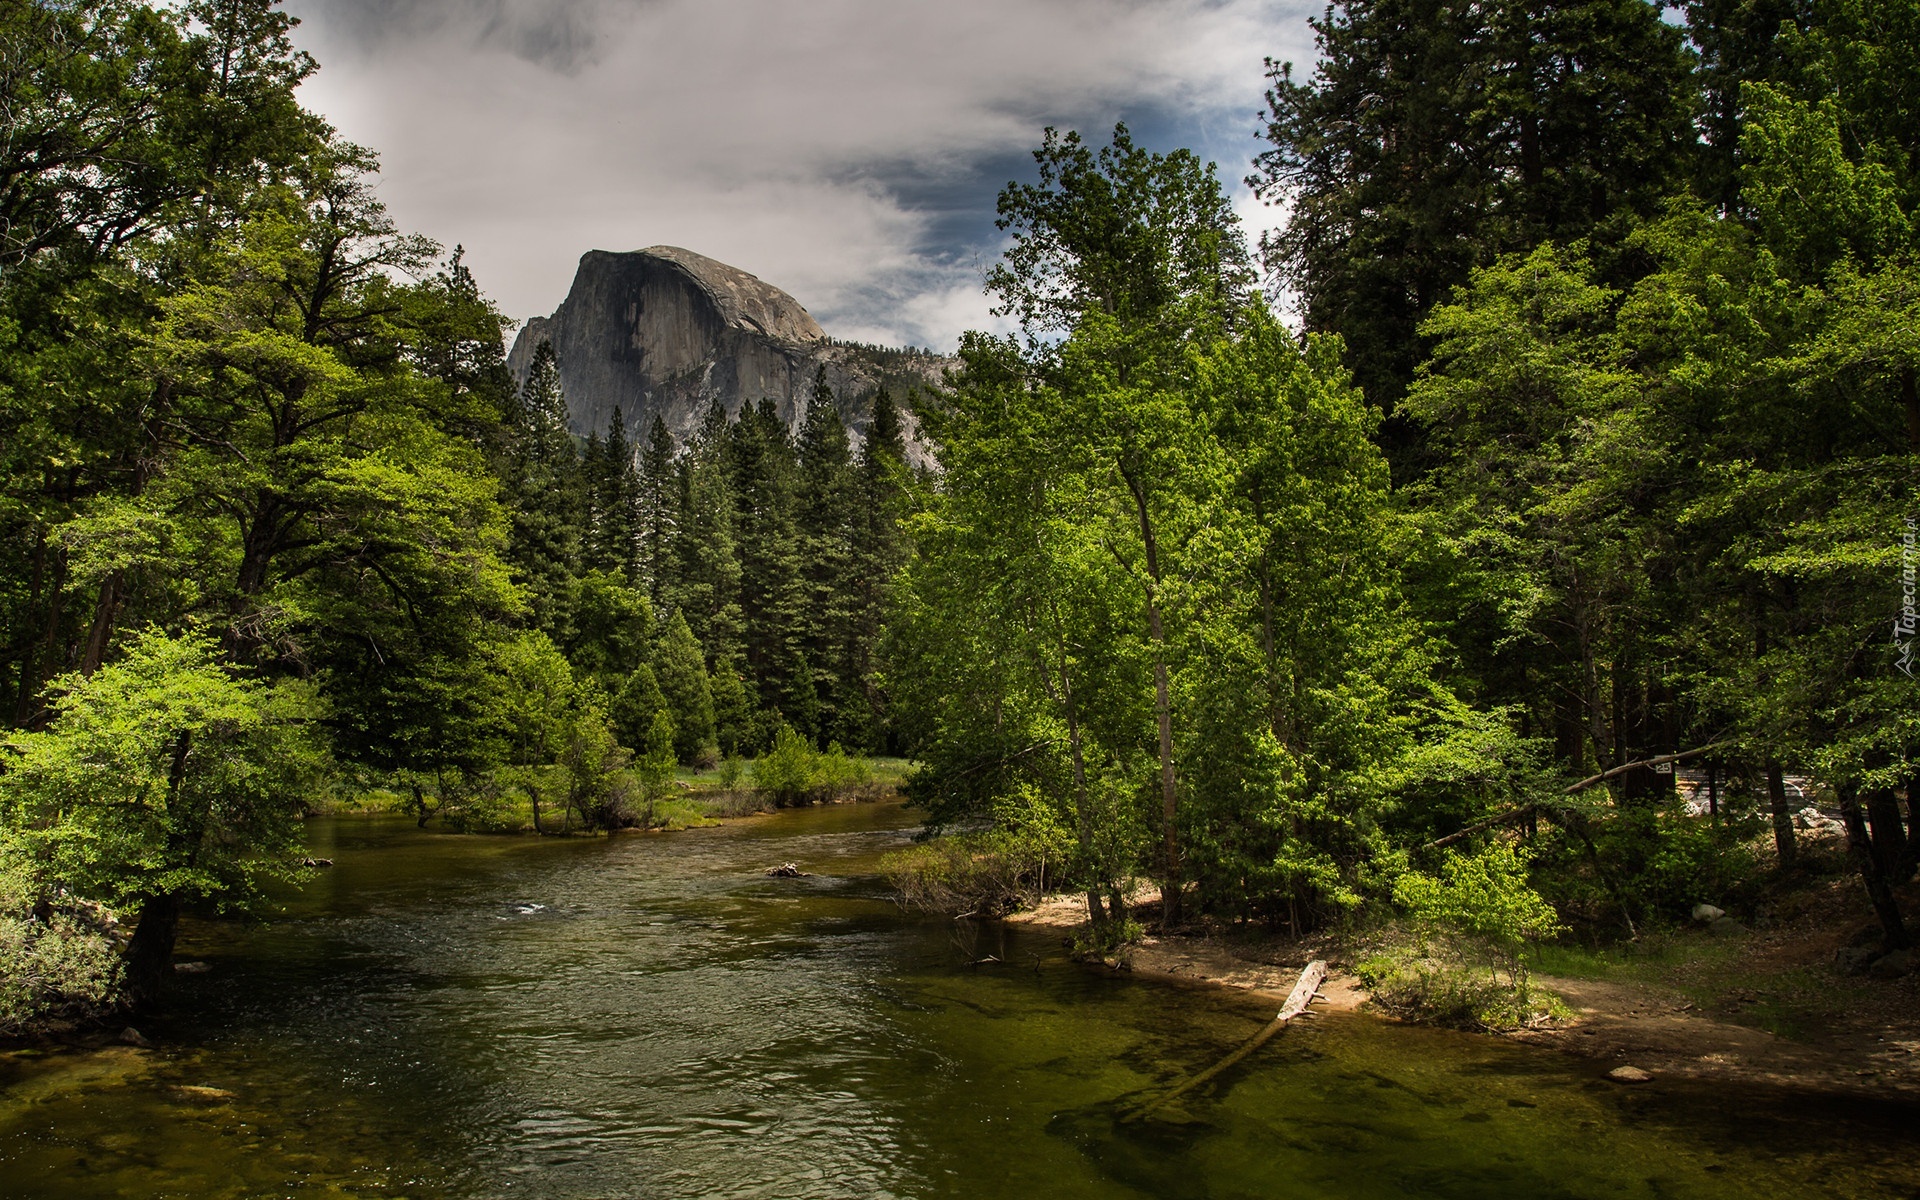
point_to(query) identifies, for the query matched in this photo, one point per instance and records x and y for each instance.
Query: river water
(447, 1016)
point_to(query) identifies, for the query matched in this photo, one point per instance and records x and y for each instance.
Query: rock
(1892, 966)
(665, 332)
(1706, 912)
(787, 871)
(193, 968)
(1726, 927)
(1630, 1075)
(194, 1091)
(133, 1037)
(1854, 960)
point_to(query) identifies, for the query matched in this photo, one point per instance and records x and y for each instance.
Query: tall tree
(825, 519)
(773, 596)
(656, 509)
(878, 553)
(1433, 137)
(545, 498)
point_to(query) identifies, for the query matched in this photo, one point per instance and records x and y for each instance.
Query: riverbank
(1766, 1007)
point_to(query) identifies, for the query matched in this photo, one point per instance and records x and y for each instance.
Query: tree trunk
(1885, 835)
(149, 959)
(105, 608)
(1783, 842)
(1879, 890)
(1910, 861)
(1163, 712)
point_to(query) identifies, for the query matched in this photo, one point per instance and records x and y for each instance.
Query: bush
(989, 872)
(1483, 902)
(1437, 982)
(1474, 921)
(58, 958)
(838, 774)
(790, 771)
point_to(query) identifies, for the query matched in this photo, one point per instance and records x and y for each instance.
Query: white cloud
(787, 139)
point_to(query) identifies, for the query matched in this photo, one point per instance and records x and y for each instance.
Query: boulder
(133, 1037)
(1705, 913)
(1726, 927)
(1892, 966)
(1630, 1075)
(1854, 960)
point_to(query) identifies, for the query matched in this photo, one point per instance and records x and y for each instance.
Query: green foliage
(1485, 900)
(789, 771)
(682, 676)
(165, 774)
(58, 958)
(1027, 852)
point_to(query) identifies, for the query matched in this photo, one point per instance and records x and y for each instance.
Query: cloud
(845, 150)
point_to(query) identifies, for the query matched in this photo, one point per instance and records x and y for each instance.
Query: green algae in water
(441, 1016)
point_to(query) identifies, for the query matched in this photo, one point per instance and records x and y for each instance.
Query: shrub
(839, 774)
(790, 771)
(1435, 982)
(988, 872)
(1484, 902)
(58, 958)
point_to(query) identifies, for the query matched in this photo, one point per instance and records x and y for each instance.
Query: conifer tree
(544, 494)
(706, 569)
(656, 509)
(634, 708)
(772, 591)
(680, 670)
(616, 505)
(879, 549)
(825, 519)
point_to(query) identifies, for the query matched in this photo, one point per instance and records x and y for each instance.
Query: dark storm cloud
(846, 150)
(560, 35)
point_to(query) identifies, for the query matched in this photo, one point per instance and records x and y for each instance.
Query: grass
(1719, 977)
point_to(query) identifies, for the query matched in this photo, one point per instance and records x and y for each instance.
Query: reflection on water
(443, 1016)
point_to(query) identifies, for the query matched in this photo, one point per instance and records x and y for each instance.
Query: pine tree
(615, 544)
(634, 707)
(706, 569)
(543, 491)
(772, 591)
(879, 550)
(825, 520)
(656, 509)
(679, 667)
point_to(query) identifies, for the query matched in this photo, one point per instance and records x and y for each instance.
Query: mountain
(664, 331)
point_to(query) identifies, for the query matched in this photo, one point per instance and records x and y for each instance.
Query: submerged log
(1297, 1002)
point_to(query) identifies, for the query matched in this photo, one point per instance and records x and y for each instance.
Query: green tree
(544, 494)
(1432, 138)
(825, 522)
(681, 672)
(166, 778)
(657, 511)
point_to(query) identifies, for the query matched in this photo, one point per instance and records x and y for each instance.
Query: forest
(1563, 438)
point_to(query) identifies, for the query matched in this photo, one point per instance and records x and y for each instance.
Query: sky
(847, 151)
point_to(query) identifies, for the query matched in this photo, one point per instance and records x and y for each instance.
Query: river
(652, 1016)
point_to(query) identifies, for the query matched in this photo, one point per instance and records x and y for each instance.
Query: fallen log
(1297, 1000)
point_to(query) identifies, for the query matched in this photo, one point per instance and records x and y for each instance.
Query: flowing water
(446, 1016)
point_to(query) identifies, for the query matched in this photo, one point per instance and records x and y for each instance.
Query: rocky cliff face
(665, 332)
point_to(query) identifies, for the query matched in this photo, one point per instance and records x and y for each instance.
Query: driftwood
(1297, 1001)
(788, 871)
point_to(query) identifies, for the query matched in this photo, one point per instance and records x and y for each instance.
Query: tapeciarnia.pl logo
(1905, 624)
